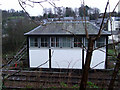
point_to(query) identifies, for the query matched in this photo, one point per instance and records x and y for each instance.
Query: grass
(111, 51)
(16, 17)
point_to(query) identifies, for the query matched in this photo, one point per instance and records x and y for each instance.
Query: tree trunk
(115, 72)
(87, 64)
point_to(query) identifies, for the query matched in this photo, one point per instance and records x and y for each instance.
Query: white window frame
(30, 42)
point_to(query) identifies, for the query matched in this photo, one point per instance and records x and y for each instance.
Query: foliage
(16, 17)
(14, 28)
(12, 13)
(111, 51)
(28, 87)
(92, 13)
(119, 72)
(54, 87)
(83, 10)
(63, 84)
(75, 86)
(69, 12)
(92, 85)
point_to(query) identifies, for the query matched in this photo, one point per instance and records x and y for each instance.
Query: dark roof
(66, 28)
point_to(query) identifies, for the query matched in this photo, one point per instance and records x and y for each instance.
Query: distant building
(99, 21)
(114, 28)
(67, 19)
(59, 44)
(90, 11)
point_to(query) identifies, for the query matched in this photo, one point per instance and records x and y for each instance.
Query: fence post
(49, 58)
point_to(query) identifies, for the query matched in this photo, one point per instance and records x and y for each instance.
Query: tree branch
(98, 64)
(26, 12)
(99, 33)
(86, 31)
(107, 45)
(45, 61)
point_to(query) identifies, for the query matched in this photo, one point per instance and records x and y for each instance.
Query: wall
(38, 56)
(64, 58)
(97, 58)
(67, 58)
(60, 58)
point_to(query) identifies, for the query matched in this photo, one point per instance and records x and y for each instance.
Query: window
(86, 42)
(77, 41)
(54, 41)
(34, 42)
(65, 42)
(44, 42)
(57, 42)
(100, 42)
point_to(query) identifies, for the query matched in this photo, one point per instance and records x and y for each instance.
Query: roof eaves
(35, 34)
(104, 32)
(28, 33)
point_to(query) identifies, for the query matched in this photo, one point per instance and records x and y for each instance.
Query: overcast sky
(38, 10)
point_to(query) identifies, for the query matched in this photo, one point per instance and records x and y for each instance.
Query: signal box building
(60, 44)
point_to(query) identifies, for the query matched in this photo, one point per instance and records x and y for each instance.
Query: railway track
(45, 79)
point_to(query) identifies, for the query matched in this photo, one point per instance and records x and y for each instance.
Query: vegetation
(111, 51)
(15, 24)
(92, 85)
(92, 13)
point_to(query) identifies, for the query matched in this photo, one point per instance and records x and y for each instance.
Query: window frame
(102, 43)
(78, 41)
(33, 42)
(68, 43)
(45, 44)
(55, 42)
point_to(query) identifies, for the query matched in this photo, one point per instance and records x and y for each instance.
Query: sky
(38, 10)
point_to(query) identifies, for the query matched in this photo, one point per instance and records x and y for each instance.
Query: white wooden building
(60, 45)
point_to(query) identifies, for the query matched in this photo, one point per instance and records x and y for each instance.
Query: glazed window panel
(65, 42)
(33, 42)
(86, 42)
(100, 42)
(44, 42)
(53, 42)
(77, 41)
(57, 42)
